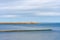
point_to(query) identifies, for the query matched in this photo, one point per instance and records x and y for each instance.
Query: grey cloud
(5, 1)
(46, 7)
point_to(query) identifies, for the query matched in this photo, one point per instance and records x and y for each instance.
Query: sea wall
(24, 30)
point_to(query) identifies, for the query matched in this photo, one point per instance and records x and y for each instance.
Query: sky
(30, 11)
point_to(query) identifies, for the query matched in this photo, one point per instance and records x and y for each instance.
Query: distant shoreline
(18, 22)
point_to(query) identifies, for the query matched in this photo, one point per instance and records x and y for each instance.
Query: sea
(32, 35)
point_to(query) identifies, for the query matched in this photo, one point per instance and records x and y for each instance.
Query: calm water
(36, 35)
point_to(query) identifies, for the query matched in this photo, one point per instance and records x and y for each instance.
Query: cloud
(47, 14)
(8, 16)
(25, 4)
(30, 8)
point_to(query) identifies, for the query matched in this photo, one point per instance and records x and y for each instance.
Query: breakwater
(24, 30)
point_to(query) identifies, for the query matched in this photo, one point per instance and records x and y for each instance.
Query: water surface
(36, 35)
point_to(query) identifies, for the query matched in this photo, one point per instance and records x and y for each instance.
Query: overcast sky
(30, 10)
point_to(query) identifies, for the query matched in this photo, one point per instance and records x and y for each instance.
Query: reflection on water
(38, 35)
